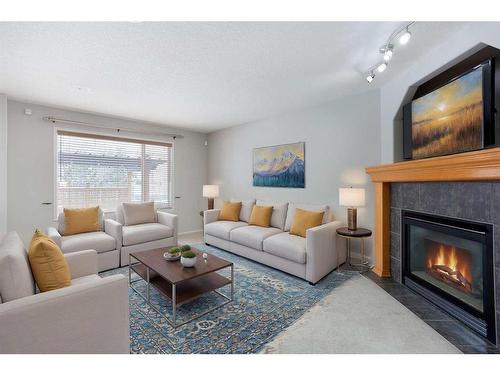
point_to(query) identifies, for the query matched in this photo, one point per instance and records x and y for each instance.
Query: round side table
(360, 233)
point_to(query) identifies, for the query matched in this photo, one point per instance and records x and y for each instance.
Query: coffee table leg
(173, 305)
(147, 285)
(129, 271)
(232, 282)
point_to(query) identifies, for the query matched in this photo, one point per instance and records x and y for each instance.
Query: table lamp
(210, 192)
(352, 197)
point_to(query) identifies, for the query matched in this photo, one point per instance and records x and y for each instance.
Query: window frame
(111, 133)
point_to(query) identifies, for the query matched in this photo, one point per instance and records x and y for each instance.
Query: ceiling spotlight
(387, 50)
(370, 77)
(388, 54)
(405, 37)
(381, 67)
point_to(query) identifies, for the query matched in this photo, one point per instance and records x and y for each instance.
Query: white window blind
(106, 171)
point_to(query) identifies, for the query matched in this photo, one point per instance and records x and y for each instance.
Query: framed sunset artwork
(449, 119)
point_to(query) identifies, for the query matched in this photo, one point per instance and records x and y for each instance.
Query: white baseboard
(191, 232)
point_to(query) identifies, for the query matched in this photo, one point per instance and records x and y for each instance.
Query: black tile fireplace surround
(468, 202)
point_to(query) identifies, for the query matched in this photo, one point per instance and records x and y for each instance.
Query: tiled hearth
(475, 201)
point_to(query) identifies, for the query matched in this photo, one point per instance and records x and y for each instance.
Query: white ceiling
(199, 76)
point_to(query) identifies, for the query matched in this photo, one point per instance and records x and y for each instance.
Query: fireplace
(450, 262)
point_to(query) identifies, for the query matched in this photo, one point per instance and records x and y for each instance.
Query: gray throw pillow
(139, 213)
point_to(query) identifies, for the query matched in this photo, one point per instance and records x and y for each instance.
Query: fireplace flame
(449, 263)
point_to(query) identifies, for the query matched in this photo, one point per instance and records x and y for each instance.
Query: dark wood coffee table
(180, 284)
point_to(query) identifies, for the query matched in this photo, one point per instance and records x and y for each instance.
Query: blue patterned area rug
(266, 301)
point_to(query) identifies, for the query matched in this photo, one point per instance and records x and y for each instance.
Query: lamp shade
(352, 197)
(210, 191)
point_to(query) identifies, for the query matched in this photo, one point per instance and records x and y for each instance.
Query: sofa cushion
(246, 208)
(139, 213)
(303, 220)
(261, 216)
(288, 246)
(221, 228)
(252, 235)
(230, 211)
(141, 233)
(49, 267)
(61, 219)
(81, 220)
(308, 207)
(98, 241)
(16, 279)
(279, 213)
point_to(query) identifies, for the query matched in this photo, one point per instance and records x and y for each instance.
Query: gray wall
(3, 163)
(31, 167)
(342, 138)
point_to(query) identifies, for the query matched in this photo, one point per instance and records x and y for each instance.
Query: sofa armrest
(86, 318)
(170, 220)
(82, 263)
(322, 253)
(54, 235)
(209, 216)
(114, 229)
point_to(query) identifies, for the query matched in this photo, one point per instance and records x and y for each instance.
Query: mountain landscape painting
(279, 166)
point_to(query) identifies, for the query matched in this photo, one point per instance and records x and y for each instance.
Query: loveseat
(310, 258)
(89, 316)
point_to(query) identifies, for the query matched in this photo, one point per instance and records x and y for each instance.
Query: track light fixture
(381, 67)
(388, 54)
(370, 77)
(403, 35)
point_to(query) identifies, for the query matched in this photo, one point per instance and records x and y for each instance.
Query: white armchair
(102, 241)
(90, 316)
(139, 237)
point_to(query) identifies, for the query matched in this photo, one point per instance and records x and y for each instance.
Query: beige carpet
(360, 317)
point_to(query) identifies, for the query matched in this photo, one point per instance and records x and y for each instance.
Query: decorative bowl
(188, 262)
(170, 257)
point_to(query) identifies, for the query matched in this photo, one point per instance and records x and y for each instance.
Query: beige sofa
(90, 316)
(310, 258)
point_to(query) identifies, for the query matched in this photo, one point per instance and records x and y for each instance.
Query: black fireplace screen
(450, 262)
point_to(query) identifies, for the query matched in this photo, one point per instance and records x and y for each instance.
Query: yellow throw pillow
(261, 216)
(81, 220)
(303, 220)
(230, 211)
(50, 269)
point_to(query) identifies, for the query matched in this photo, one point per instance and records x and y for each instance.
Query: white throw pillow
(279, 213)
(139, 213)
(308, 207)
(246, 208)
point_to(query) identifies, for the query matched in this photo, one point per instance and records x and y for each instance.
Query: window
(106, 171)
